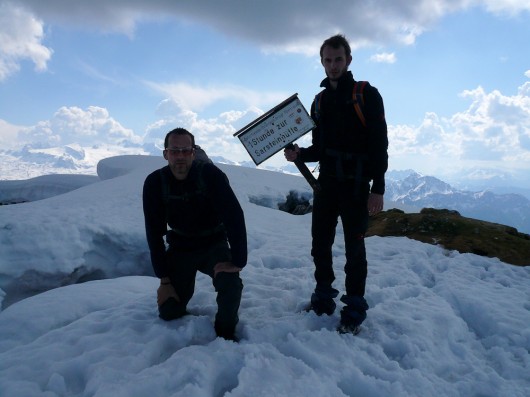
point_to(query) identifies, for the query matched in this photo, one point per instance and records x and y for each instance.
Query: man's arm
(230, 212)
(378, 139)
(155, 222)
(311, 154)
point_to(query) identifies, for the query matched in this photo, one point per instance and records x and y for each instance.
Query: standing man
(207, 232)
(352, 152)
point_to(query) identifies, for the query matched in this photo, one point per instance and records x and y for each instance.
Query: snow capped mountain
(426, 191)
(33, 160)
(415, 187)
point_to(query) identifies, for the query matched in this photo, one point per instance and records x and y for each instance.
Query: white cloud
(493, 132)
(505, 7)
(8, 134)
(75, 125)
(500, 123)
(195, 98)
(21, 37)
(214, 134)
(95, 74)
(384, 57)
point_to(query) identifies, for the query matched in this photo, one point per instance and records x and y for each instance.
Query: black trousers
(347, 200)
(229, 287)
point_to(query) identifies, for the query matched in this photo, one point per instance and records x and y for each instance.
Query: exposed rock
(455, 232)
(296, 204)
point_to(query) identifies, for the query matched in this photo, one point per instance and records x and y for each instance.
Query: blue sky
(454, 74)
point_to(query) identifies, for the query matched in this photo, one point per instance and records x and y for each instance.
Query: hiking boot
(321, 307)
(322, 300)
(354, 313)
(348, 329)
(227, 333)
(232, 338)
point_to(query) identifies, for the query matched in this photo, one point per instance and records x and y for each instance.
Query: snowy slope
(440, 323)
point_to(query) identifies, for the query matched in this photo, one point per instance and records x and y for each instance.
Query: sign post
(277, 129)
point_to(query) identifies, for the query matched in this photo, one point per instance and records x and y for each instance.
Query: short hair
(179, 131)
(336, 42)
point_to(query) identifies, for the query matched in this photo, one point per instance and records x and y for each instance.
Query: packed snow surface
(440, 323)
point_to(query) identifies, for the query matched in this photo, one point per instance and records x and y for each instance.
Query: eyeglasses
(185, 151)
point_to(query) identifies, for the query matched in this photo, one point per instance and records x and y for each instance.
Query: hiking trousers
(184, 266)
(347, 200)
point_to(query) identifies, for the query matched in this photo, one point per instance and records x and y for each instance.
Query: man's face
(335, 62)
(179, 155)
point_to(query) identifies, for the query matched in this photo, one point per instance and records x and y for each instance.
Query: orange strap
(358, 100)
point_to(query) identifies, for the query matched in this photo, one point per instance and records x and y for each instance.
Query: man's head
(179, 151)
(178, 131)
(335, 55)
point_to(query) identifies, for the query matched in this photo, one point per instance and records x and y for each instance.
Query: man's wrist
(165, 281)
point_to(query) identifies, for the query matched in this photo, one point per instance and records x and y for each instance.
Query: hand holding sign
(291, 152)
(294, 152)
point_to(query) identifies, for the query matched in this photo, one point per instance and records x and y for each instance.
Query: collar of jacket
(344, 79)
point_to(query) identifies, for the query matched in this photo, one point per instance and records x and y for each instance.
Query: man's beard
(336, 77)
(181, 168)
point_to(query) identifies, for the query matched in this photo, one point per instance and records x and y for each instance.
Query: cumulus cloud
(500, 123)
(21, 36)
(8, 134)
(214, 134)
(75, 125)
(494, 130)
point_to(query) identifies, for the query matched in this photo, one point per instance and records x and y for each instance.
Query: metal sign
(276, 129)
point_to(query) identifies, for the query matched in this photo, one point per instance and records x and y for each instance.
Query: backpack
(357, 100)
(200, 155)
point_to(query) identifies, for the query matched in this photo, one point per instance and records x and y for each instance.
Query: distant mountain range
(415, 190)
(409, 189)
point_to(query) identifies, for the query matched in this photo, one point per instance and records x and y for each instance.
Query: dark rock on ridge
(454, 232)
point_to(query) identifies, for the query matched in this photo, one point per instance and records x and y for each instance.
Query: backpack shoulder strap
(358, 100)
(318, 99)
(201, 184)
(201, 188)
(164, 184)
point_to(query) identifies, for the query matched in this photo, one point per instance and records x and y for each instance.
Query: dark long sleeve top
(339, 129)
(207, 207)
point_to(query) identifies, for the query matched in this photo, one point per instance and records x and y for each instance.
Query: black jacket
(206, 211)
(340, 133)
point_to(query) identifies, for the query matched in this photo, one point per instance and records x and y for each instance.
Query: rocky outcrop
(454, 232)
